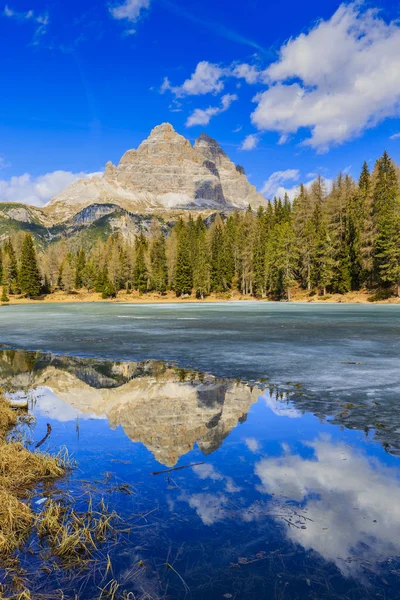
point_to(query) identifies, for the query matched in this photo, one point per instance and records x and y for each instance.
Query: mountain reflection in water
(165, 408)
(292, 500)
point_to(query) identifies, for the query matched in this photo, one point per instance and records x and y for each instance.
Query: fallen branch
(176, 468)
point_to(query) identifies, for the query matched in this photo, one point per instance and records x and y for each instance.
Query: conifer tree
(108, 290)
(89, 277)
(201, 264)
(158, 264)
(303, 207)
(79, 268)
(140, 274)
(30, 281)
(259, 254)
(322, 271)
(219, 282)
(386, 210)
(183, 268)
(4, 297)
(10, 267)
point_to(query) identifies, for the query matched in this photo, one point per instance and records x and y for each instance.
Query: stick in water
(176, 469)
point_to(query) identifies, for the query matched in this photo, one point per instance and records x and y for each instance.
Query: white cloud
(253, 444)
(207, 471)
(250, 142)
(354, 506)
(274, 182)
(41, 21)
(249, 73)
(395, 136)
(203, 116)
(348, 79)
(129, 10)
(237, 129)
(38, 190)
(205, 79)
(279, 408)
(209, 507)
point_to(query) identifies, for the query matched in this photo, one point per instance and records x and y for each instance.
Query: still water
(290, 414)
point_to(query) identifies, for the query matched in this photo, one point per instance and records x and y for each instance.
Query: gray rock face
(165, 173)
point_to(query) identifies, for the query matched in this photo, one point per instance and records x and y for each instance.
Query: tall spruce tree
(183, 267)
(140, 274)
(386, 210)
(158, 264)
(201, 261)
(30, 281)
(79, 268)
(10, 267)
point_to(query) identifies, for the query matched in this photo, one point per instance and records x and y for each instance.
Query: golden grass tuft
(20, 471)
(74, 536)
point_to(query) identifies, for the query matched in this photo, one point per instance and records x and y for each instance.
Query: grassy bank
(20, 472)
(81, 296)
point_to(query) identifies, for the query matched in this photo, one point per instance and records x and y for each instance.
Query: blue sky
(289, 88)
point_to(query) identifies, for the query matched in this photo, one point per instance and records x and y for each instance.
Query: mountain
(164, 178)
(166, 173)
(167, 409)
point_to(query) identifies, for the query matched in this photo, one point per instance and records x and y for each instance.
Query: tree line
(324, 242)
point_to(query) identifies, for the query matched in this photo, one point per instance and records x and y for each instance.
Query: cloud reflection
(353, 504)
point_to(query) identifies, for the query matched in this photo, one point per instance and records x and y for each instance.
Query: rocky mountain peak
(164, 173)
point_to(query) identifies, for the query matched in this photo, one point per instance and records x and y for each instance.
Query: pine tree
(218, 271)
(303, 207)
(386, 211)
(140, 274)
(183, 268)
(108, 290)
(322, 264)
(1, 266)
(158, 264)
(10, 267)
(67, 274)
(259, 254)
(30, 281)
(79, 268)
(4, 297)
(89, 277)
(201, 262)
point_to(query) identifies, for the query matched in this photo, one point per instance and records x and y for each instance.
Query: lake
(288, 413)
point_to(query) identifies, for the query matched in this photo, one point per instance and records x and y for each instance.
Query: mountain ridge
(164, 173)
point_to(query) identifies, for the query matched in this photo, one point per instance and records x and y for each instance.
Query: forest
(347, 239)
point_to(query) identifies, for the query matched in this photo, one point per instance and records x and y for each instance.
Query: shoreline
(301, 297)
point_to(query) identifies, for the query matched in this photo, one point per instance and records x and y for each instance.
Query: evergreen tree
(158, 264)
(218, 265)
(4, 297)
(89, 277)
(30, 281)
(303, 208)
(386, 210)
(108, 290)
(201, 262)
(140, 274)
(322, 269)
(10, 267)
(259, 259)
(183, 268)
(79, 268)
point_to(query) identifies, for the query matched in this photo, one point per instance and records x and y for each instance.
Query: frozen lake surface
(292, 411)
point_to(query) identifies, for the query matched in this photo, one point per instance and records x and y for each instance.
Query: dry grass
(73, 536)
(67, 539)
(20, 471)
